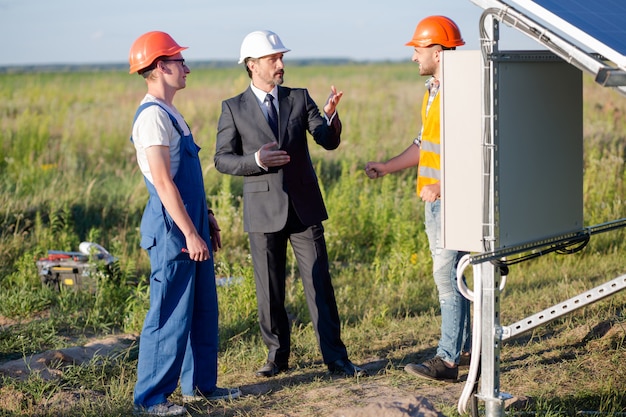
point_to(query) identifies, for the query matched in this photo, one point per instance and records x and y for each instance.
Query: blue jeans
(455, 309)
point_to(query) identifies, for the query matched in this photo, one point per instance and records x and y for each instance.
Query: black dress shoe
(347, 368)
(270, 369)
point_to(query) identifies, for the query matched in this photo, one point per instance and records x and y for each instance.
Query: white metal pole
(489, 274)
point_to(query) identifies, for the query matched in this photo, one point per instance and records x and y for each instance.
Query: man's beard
(278, 80)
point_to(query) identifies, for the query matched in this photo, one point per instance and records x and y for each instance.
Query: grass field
(68, 174)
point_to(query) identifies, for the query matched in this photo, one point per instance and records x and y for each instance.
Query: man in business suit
(262, 135)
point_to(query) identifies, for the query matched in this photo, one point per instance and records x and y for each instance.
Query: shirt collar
(432, 82)
(260, 94)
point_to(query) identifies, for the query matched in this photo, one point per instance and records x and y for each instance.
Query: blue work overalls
(180, 334)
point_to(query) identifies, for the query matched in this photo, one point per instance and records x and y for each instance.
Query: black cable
(566, 248)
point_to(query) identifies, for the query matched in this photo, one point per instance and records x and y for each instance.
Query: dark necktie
(272, 116)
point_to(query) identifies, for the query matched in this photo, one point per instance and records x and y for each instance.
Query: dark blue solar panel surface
(604, 20)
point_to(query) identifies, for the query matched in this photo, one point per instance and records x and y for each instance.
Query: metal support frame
(486, 271)
(489, 275)
(489, 391)
(605, 74)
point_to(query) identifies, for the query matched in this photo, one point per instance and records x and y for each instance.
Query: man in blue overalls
(180, 334)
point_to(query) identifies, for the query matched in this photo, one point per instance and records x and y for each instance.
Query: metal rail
(566, 307)
(547, 245)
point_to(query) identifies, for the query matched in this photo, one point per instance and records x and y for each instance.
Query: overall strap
(172, 118)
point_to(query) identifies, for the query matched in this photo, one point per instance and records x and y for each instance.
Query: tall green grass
(68, 174)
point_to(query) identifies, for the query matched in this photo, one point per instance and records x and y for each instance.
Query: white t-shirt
(153, 127)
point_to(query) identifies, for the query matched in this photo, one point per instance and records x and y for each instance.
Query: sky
(101, 32)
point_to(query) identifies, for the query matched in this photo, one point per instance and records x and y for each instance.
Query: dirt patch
(400, 407)
(49, 364)
(374, 396)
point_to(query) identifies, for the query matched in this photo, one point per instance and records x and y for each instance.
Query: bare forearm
(409, 158)
(159, 161)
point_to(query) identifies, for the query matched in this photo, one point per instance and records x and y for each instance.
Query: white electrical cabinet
(461, 151)
(536, 152)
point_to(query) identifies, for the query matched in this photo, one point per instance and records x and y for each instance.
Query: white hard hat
(260, 43)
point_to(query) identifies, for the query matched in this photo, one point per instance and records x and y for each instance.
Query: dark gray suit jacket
(242, 129)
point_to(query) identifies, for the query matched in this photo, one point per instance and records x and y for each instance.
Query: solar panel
(599, 25)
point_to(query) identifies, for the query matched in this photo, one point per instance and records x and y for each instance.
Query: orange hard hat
(149, 47)
(436, 30)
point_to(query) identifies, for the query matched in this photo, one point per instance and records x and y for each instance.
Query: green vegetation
(68, 174)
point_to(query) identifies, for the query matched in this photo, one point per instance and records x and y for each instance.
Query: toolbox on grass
(76, 270)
